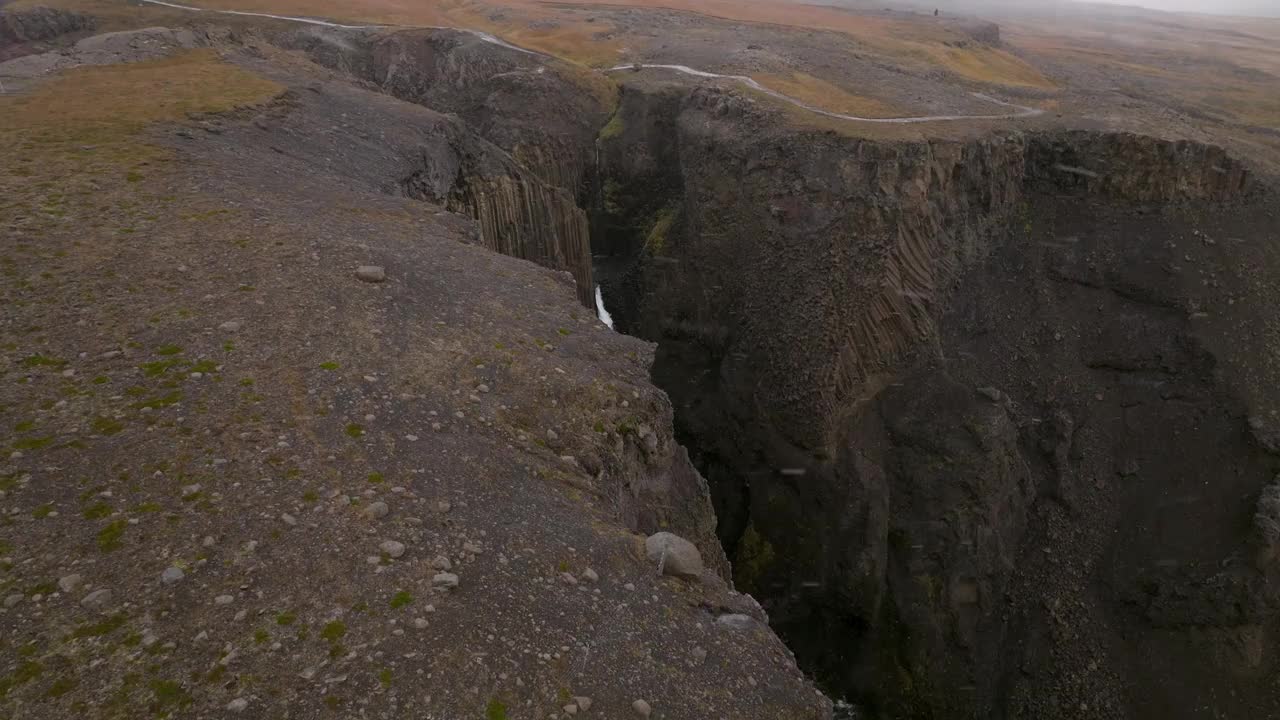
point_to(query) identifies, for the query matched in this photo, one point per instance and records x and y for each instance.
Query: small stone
(583, 703)
(444, 581)
(393, 548)
(590, 575)
(471, 548)
(443, 506)
(699, 654)
(96, 600)
(551, 435)
(230, 326)
(376, 510)
(736, 621)
(172, 575)
(289, 519)
(570, 709)
(11, 600)
(673, 555)
(208, 541)
(371, 273)
(242, 615)
(420, 623)
(991, 394)
(69, 583)
(642, 708)
(223, 600)
(238, 705)
(442, 563)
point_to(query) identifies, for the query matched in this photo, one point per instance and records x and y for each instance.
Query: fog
(1265, 8)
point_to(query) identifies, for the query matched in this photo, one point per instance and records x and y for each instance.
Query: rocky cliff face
(541, 113)
(29, 30)
(880, 487)
(1124, 166)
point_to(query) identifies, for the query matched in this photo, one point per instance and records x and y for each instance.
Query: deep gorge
(957, 400)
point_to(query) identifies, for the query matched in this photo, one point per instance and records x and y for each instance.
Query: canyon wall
(541, 113)
(880, 488)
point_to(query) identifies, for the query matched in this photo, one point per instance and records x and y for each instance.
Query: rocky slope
(24, 30)
(246, 478)
(951, 508)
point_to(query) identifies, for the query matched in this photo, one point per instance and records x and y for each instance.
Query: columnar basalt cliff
(888, 494)
(541, 114)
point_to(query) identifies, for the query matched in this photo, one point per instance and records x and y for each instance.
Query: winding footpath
(1019, 111)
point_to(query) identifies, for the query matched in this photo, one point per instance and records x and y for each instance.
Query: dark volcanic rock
(826, 308)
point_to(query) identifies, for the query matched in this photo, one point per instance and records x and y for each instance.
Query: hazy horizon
(1261, 8)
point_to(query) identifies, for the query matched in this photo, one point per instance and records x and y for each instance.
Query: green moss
(161, 401)
(328, 366)
(97, 511)
(754, 559)
(334, 631)
(355, 430)
(160, 367)
(109, 537)
(60, 687)
(107, 426)
(168, 350)
(286, 618)
(169, 692)
(33, 443)
(42, 511)
(33, 361)
(100, 628)
(656, 242)
(261, 636)
(376, 478)
(384, 677)
(495, 710)
(613, 128)
(401, 599)
(25, 426)
(204, 366)
(133, 176)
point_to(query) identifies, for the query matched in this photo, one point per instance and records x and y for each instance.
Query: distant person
(935, 12)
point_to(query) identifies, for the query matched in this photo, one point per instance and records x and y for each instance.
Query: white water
(1022, 111)
(605, 317)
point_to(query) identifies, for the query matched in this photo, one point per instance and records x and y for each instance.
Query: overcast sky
(1267, 8)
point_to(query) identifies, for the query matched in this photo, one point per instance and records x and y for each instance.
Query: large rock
(673, 555)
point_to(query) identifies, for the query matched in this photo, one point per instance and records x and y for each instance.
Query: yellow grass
(86, 124)
(988, 65)
(111, 103)
(822, 94)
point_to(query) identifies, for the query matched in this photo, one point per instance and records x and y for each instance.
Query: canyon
(984, 417)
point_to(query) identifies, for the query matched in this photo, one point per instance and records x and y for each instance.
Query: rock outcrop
(541, 112)
(39, 24)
